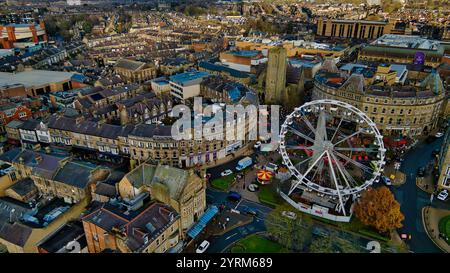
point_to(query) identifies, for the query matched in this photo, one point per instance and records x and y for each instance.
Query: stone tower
(276, 75)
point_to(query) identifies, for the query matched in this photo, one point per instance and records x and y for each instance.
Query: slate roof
(129, 64)
(59, 239)
(15, 233)
(23, 187)
(151, 130)
(149, 221)
(75, 174)
(89, 127)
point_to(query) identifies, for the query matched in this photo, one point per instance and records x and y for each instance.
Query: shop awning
(203, 221)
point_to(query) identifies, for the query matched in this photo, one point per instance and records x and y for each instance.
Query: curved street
(413, 199)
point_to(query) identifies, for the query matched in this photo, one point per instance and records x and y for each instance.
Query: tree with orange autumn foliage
(378, 208)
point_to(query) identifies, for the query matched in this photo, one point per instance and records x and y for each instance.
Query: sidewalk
(245, 151)
(430, 218)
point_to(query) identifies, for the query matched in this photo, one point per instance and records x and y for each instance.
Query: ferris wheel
(331, 148)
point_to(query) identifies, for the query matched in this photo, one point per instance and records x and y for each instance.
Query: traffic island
(227, 221)
(397, 177)
(436, 227)
(426, 184)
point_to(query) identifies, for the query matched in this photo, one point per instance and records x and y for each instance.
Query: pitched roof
(75, 174)
(171, 178)
(23, 187)
(129, 64)
(16, 234)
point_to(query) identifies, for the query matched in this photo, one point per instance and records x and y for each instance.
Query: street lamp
(10, 215)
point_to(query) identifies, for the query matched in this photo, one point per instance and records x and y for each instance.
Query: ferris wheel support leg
(333, 174)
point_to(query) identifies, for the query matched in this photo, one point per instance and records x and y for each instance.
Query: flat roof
(188, 76)
(34, 77)
(244, 53)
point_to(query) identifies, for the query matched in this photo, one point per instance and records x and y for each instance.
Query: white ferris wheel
(330, 148)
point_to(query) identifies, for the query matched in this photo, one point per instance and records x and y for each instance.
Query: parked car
(251, 212)
(257, 145)
(234, 196)
(202, 247)
(253, 187)
(421, 172)
(405, 236)
(226, 172)
(289, 214)
(386, 180)
(443, 195)
(271, 167)
(439, 134)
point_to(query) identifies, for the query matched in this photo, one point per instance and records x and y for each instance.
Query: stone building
(135, 71)
(154, 228)
(398, 110)
(181, 189)
(360, 29)
(276, 76)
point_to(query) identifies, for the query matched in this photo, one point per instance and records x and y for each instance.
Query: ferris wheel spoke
(297, 166)
(344, 173)
(308, 123)
(295, 131)
(356, 163)
(303, 176)
(333, 175)
(355, 149)
(337, 129)
(296, 147)
(348, 137)
(318, 170)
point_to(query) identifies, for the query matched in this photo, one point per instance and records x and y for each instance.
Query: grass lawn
(268, 195)
(257, 244)
(444, 226)
(223, 183)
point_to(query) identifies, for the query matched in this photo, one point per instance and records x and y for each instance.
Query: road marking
(238, 204)
(230, 236)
